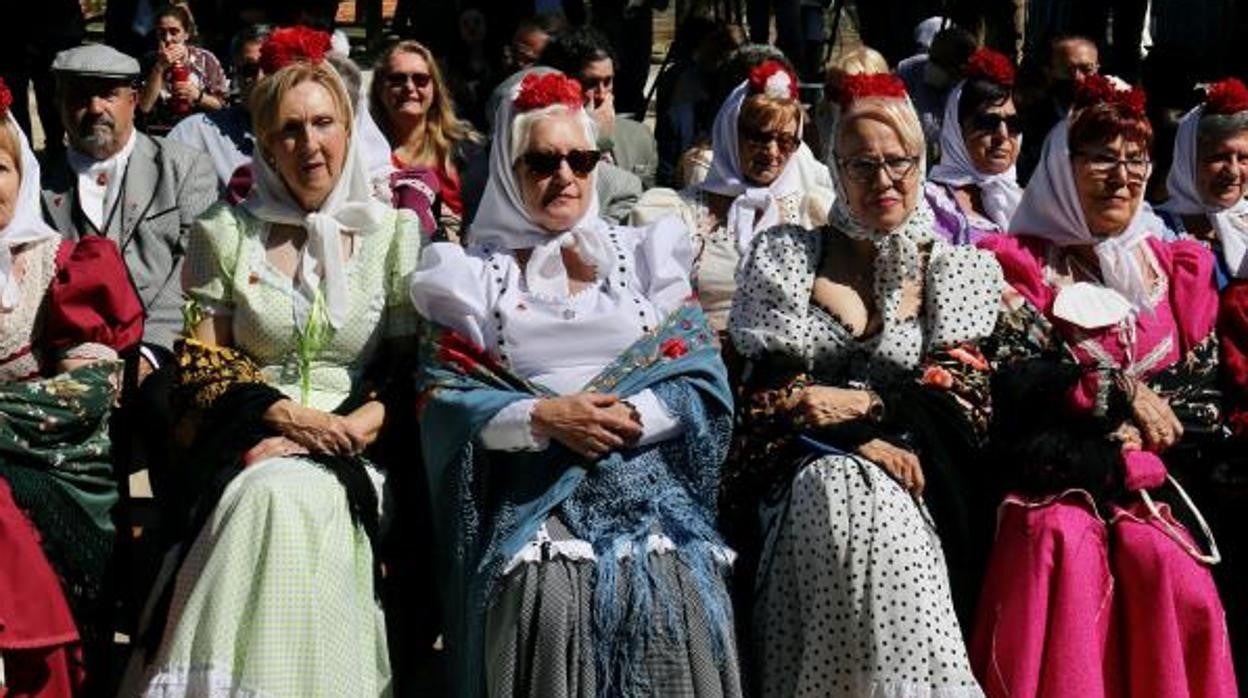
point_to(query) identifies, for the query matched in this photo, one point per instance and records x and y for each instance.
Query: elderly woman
(852, 596)
(973, 189)
(412, 104)
(298, 318)
(1111, 331)
(65, 310)
(761, 175)
(583, 412)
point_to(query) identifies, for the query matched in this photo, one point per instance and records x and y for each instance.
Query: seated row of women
(617, 512)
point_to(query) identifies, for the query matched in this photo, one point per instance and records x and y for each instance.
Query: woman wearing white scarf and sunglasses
(761, 175)
(974, 190)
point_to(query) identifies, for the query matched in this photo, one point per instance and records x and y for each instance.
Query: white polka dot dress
(852, 593)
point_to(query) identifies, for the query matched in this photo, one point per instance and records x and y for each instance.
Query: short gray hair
(1214, 128)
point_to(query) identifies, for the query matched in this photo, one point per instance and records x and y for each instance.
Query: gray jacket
(634, 150)
(167, 185)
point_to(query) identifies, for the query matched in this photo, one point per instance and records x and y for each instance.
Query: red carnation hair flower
(6, 99)
(986, 64)
(289, 44)
(1102, 89)
(855, 87)
(773, 79)
(538, 91)
(1228, 96)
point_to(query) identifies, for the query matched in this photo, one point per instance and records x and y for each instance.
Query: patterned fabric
(614, 503)
(54, 454)
(205, 73)
(20, 353)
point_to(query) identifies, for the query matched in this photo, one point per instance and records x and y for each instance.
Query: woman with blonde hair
(860, 60)
(411, 102)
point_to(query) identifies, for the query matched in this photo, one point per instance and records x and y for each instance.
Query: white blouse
(559, 343)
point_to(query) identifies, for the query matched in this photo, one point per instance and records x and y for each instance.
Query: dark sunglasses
(786, 142)
(991, 123)
(420, 80)
(582, 162)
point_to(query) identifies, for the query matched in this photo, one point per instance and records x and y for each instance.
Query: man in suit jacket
(143, 193)
(139, 191)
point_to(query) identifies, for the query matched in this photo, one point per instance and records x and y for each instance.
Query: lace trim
(543, 548)
(18, 325)
(201, 681)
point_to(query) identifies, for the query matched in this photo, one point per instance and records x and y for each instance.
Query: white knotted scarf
(503, 220)
(1186, 200)
(1000, 193)
(350, 208)
(753, 207)
(1050, 209)
(27, 224)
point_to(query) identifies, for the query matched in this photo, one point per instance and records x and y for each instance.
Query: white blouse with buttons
(559, 343)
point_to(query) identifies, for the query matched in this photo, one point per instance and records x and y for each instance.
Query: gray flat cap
(95, 61)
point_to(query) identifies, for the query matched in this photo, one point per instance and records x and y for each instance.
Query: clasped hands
(305, 430)
(1157, 427)
(591, 424)
(823, 406)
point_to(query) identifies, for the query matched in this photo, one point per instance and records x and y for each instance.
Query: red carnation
(674, 348)
(6, 99)
(289, 44)
(986, 64)
(1098, 89)
(855, 87)
(763, 80)
(1228, 96)
(538, 91)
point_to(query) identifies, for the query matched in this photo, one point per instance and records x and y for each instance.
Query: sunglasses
(991, 123)
(786, 142)
(864, 169)
(582, 162)
(420, 80)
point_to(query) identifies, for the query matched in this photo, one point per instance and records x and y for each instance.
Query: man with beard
(143, 193)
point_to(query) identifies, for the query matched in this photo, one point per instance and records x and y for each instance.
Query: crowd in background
(914, 364)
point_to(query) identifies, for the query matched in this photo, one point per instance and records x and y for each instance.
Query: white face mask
(936, 76)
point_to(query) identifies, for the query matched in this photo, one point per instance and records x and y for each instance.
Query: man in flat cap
(143, 193)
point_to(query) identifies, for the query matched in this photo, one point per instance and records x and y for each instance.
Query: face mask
(936, 76)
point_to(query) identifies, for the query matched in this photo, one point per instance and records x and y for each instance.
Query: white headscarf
(1186, 200)
(27, 224)
(503, 220)
(1000, 193)
(727, 179)
(1050, 209)
(350, 208)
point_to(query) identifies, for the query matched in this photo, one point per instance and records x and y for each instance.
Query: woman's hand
(186, 90)
(1152, 414)
(272, 447)
(898, 462)
(589, 423)
(364, 424)
(317, 431)
(821, 406)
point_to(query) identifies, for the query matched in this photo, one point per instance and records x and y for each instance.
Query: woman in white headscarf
(761, 175)
(66, 308)
(298, 327)
(841, 327)
(582, 413)
(974, 189)
(1106, 348)
(1208, 178)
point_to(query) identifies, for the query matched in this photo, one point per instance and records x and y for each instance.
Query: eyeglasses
(582, 162)
(991, 123)
(865, 169)
(786, 142)
(1100, 165)
(420, 80)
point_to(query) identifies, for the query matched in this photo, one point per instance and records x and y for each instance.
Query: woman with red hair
(1105, 359)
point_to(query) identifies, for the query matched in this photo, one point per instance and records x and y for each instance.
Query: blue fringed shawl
(488, 504)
